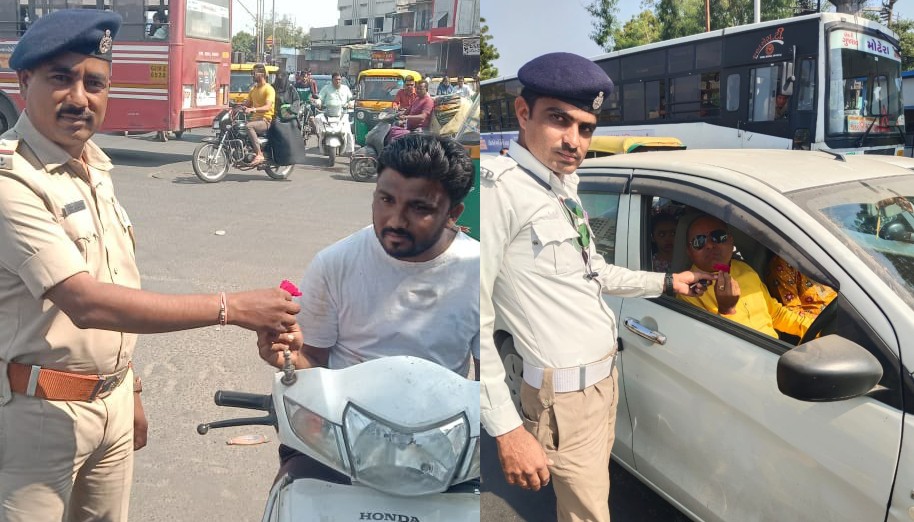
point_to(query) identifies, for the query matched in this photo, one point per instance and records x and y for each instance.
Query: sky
(544, 27)
(306, 13)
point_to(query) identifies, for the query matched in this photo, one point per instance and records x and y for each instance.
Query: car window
(803, 295)
(602, 210)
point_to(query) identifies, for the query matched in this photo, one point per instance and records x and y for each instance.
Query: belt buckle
(104, 387)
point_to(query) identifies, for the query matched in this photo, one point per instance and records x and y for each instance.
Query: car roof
(782, 170)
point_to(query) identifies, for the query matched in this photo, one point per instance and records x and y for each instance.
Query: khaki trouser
(67, 461)
(577, 430)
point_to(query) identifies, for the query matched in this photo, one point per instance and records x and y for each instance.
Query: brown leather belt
(55, 385)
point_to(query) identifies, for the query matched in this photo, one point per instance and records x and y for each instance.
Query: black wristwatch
(668, 285)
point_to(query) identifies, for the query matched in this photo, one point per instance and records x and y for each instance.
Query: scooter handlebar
(250, 401)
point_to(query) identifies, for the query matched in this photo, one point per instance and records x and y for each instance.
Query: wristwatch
(668, 285)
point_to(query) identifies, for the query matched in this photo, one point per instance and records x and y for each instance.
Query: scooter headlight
(325, 437)
(360, 115)
(403, 461)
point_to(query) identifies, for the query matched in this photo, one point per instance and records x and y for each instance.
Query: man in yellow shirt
(739, 295)
(261, 103)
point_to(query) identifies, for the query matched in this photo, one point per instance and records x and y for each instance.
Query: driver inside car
(739, 293)
(261, 105)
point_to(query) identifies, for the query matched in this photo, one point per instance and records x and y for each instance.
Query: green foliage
(604, 23)
(244, 42)
(640, 30)
(487, 53)
(905, 30)
(680, 18)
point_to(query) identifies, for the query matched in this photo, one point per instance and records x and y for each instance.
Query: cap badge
(104, 46)
(598, 101)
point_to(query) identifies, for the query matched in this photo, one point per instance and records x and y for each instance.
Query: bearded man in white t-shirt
(407, 285)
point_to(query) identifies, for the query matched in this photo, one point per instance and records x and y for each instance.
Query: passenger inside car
(663, 233)
(795, 290)
(741, 296)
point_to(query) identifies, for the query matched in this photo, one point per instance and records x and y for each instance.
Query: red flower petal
(288, 286)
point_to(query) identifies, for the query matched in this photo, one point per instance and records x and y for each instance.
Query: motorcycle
(405, 430)
(333, 134)
(231, 146)
(364, 163)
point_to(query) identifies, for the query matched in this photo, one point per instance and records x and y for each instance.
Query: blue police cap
(83, 31)
(567, 77)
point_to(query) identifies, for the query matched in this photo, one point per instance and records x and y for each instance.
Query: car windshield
(241, 81)
(875, 218)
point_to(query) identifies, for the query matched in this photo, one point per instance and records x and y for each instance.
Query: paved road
(272, 230)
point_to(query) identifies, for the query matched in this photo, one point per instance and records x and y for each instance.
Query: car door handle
(639, 329)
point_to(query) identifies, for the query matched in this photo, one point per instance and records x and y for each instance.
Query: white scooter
(405, 430)
(334, 134)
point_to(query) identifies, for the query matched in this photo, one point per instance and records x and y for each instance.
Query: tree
(640, 30)
(244, 42)
(487, 53)
(680, 17)
(604, 23)
(905, 30)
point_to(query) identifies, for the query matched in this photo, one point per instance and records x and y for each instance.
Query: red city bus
(170, 68)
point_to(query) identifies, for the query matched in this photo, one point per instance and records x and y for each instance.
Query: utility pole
(757, 11)
(273, 45)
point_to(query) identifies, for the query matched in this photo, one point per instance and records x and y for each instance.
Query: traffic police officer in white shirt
(542, 277)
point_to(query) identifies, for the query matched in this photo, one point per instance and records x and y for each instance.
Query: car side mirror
(827, 369)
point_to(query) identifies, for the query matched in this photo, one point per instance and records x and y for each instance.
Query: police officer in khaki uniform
(70, 304)
(541, 275)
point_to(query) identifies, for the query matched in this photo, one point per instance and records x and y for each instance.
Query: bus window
(707, 54)
(655, 99)
(806, 85)
(685, 97)
(879, 103)
(612, 111)
(681, 59)
(733, 92)
(633, 101)
(710, 95)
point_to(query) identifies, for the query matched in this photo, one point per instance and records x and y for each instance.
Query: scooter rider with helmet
(261, 105)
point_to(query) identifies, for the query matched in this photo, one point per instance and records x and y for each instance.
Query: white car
(729, 424)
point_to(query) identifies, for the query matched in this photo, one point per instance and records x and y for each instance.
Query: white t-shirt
(363, 304)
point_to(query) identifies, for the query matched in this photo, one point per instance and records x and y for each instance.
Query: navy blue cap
(567, 77)
(84, 31)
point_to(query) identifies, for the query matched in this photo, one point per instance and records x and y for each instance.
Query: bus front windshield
(864, 85)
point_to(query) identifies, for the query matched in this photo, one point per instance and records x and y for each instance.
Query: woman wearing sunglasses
(739, 293)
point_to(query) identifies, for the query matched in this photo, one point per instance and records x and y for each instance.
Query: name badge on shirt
(74, 207)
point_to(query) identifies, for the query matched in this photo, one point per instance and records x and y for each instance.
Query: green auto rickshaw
(468, 136)
(377, 89)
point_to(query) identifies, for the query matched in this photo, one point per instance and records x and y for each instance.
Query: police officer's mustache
(75, 112)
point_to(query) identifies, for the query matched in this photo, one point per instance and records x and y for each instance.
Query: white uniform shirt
(532, 277)
(333, 100)
(363, 304)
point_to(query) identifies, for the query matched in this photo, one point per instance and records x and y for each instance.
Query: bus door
(769, 104)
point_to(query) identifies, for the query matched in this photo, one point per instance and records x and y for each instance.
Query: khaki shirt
(532, 278)
(54, 223)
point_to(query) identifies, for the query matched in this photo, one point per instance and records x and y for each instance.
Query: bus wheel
(210, 164)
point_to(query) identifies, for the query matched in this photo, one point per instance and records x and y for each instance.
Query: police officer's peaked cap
(567, 77)
(83, 31)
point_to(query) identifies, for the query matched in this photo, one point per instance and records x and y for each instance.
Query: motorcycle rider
(333, 99)
(408, 285)
(261, 103)
(417, 116)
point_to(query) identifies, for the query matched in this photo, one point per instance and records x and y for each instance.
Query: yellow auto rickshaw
(242, 81)
(377, 89)
(610, 145)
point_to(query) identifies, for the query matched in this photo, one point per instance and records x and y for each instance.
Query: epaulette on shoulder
(7, 152)
(493, 168)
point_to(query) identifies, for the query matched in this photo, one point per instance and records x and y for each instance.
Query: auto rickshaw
(377, 89)
(242, 81)
(468, 136)
(610, 145)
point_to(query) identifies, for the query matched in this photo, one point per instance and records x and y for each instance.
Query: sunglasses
(716, 236)
(580, 223)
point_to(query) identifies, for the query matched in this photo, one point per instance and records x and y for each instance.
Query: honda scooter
(334, 135)
(364, 163)
(405, 430)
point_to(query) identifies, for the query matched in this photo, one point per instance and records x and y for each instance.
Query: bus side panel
(139, 96)
(205, 67)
